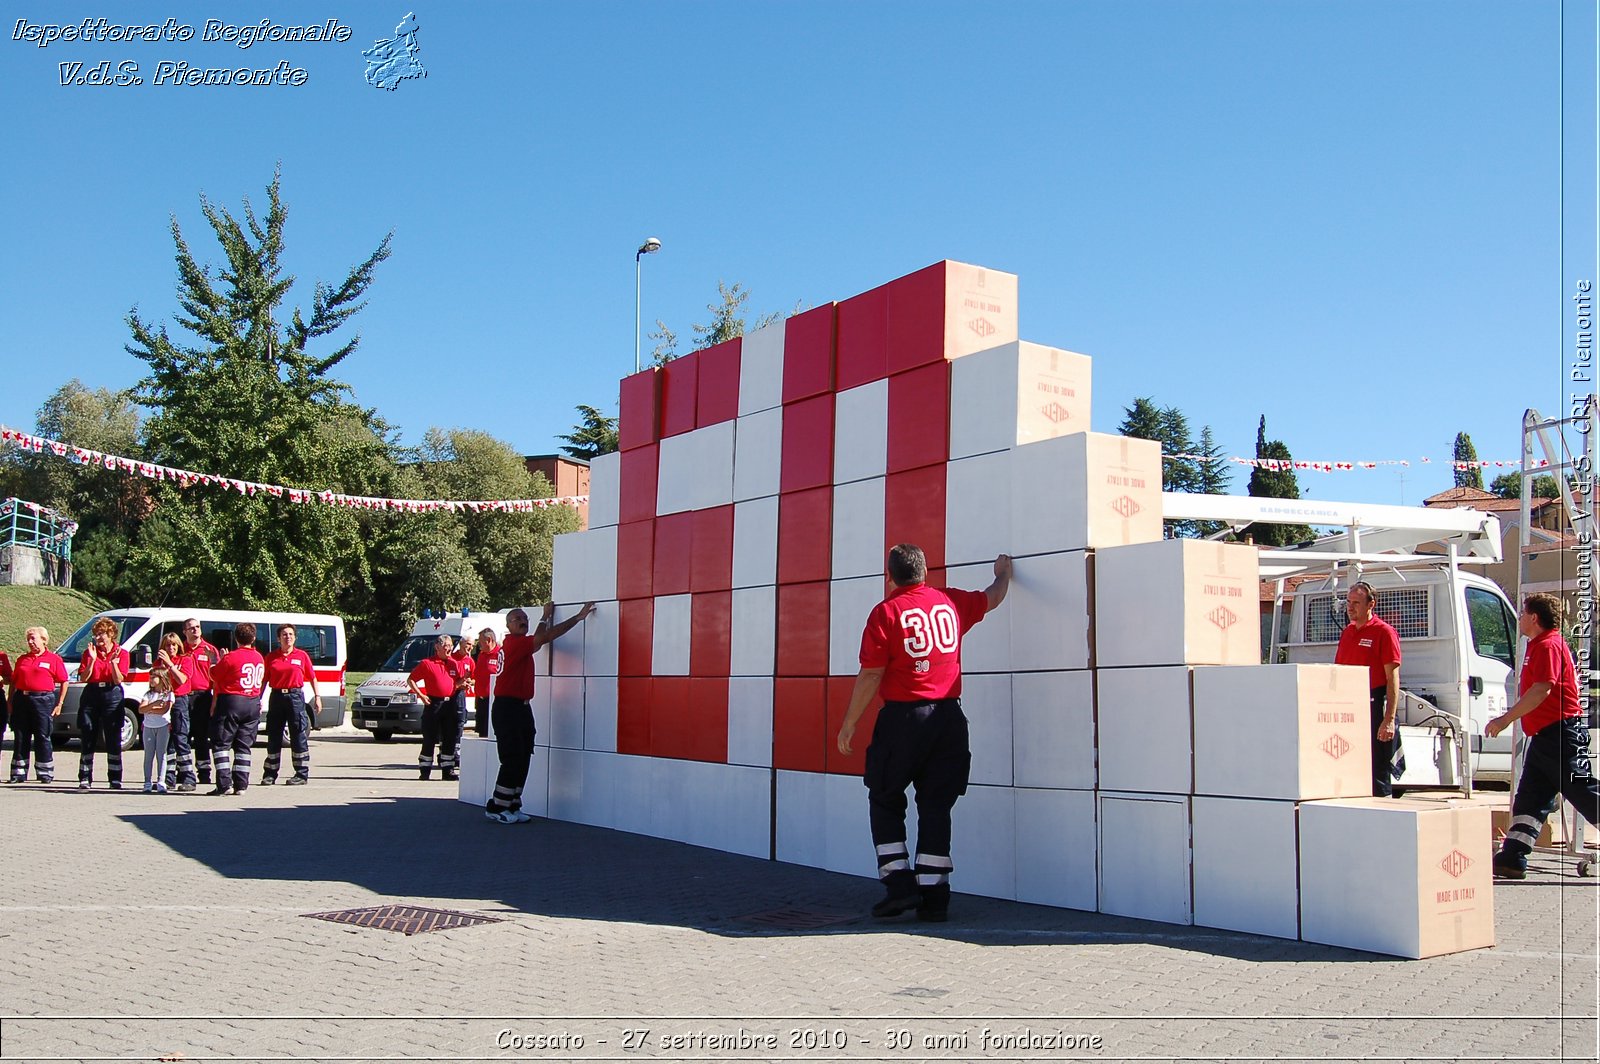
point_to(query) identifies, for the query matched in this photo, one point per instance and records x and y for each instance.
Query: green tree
(593, 435)
(666, 348)
(1212, 476)
(1509, 486)
(246, 398)
(1471, 476)
(1274, 484)
(1170, 428)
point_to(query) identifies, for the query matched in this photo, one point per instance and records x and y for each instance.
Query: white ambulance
(140, 631)
(384, 704)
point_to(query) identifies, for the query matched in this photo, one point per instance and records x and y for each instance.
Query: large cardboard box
(1052, 728)
(858, 529)
(1282, 731)
(849, 603)
(947, 311)
(761, 369)
(1057, 851)
(986, 702)
(1144, 857)
(1014, 394)
(1246, 866)
(986, 646)
(758, 454)
(750, 720)
(983, 842)
(755, 542)
(1177, 602)
(752, 642)
(1145, 728)
(1085, 490)
(1396, 876)
(1047, 608)
(600, 714)
(670, 635)
(605, 483)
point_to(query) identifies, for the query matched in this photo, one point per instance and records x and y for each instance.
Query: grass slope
(58, 609)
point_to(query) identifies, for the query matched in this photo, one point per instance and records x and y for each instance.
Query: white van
(141, 629)
(384, 704)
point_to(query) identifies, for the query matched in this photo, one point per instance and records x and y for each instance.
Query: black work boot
(903, 895)
(935, 904)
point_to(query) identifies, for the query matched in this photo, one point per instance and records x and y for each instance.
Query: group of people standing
(199, 716)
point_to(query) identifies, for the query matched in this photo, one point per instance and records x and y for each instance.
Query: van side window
(318, 643)
(1491, 635)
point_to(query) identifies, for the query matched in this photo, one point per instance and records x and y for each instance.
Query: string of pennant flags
(186, 478)
(1282, 464)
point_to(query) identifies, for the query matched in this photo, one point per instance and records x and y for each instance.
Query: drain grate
(794, 919)
(407, 919)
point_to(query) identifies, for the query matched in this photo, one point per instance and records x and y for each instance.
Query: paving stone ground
(144, 928)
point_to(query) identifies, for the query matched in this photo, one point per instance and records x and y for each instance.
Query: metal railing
(27, 524)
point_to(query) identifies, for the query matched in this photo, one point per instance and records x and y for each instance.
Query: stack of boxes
(1129, 753)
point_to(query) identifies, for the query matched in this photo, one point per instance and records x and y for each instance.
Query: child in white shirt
(156, 711)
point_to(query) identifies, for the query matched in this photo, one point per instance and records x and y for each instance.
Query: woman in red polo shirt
(38, 688)
(100, 712)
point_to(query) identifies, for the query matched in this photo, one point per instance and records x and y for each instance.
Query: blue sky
(1354, 218)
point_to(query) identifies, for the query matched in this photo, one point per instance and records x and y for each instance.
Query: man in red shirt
(1557, 758)
(465, 680)
(434, 682)
(236, 716)
(1370, 641)
(38, 688)
(202, 656)
(288, 671)
(511, 715)
(100, 712)
(911, 656)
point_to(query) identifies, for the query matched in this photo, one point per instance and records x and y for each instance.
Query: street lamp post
(649, 247)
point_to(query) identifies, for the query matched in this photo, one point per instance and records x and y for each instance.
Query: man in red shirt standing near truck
(1557, 761)
(288, 671)
(1370, 641)
(911, 656)
(434, 682)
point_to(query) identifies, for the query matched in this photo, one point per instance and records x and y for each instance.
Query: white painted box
(1048, 610)
(758, 454)
(600, 714)
(986, 646)
(1246, 866)
(1177, 602)
(1057, 848)
(600, 640)
(801, 818)
(1282, 731)
(986, 702)
(569, 568)
(566, 653)
(678, 461)
(1144, 857)
(752, 642)
(858, 529)
(1146, 728)
(755, 542)
(849, 603)
(605, 490)
(861, 432)
(761, 369)
(670, 633)
(1015, 394)
(750, 721)
(1085, 490)
(1396, 876)
(566, 712)
(983, 844)
(978, 509)
(1052, 726)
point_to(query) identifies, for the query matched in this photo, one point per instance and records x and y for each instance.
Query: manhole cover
(408, 919)
(792, 919)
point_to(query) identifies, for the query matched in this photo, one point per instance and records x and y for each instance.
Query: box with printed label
(1177, 602)
(1016, 394)
(1085, 490)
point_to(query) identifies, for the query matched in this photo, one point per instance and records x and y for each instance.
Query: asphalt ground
(141, 927)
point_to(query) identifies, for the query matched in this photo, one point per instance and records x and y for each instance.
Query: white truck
(384, 704)
(1458, 631)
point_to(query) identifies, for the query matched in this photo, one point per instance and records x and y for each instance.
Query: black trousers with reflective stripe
(31, 726)
(1557, 764)
(100, 719)
(513, 741)
(287, 709)
(922, 745)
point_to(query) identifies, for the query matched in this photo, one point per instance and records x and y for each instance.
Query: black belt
(288, 690)
(103, 685)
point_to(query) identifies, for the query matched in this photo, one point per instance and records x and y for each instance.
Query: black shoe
(115, 786)
(426, 774)
(895, 904)
(205, 777)
(296, 781)
(450, 775)
(267, 781)
(1509, 868)
(219, 791)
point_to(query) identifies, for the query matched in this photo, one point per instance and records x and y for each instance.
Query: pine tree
(1213, 477)
(1471, 476)
(1274, 484)
(593, 435)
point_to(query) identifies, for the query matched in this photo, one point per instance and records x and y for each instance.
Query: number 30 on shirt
(927, 630)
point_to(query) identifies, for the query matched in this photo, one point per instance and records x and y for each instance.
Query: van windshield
(72, 650)
(410, 654)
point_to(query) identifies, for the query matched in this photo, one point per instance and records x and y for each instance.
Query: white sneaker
(149, 788)
(519, 817)
(505, 817)
(161, 789)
